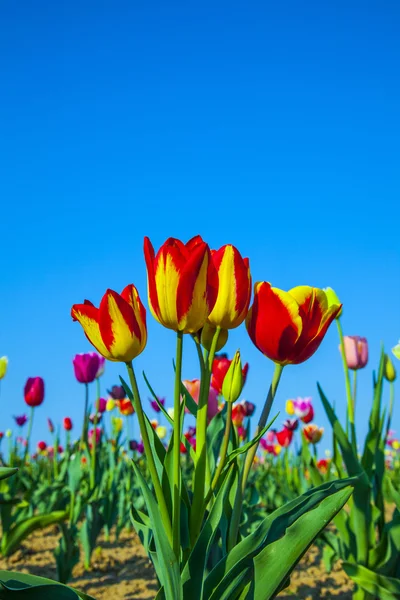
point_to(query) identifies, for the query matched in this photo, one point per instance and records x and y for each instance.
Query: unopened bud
(233, 381)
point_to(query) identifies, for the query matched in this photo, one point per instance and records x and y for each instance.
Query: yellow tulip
(3, 366)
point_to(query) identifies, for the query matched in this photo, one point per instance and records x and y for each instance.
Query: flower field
(205, 501)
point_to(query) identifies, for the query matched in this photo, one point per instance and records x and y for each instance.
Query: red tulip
(34, 391)
(42, 446)
(67, 424)
(284, 437)
(288, 327)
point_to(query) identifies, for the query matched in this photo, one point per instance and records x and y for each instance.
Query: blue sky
(272, 126)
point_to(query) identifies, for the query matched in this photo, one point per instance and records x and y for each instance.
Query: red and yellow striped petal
(234, 288)
(274, 323)
(131, 295)
(88, 315)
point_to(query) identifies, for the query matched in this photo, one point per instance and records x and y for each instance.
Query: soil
(121, 570)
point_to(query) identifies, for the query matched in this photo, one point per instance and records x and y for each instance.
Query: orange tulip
(182, 283)
(313, 433)
(288, 327)
(125, 407)
(117, 329)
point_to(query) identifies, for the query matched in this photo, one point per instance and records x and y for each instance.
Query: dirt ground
(121, 571)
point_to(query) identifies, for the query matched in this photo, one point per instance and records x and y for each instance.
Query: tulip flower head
(117, 424)
(238, 414)
(117, 329)
(3, 366)
(155, 406)
(249, 408)
(86, 366)
(125, 407)
(220, 368)
(313, 433)
(206, 336)
(396, 351)
(234, 288)
(182, 283)
(21, 420)
(291, 424)
(193, 387)
(323, 465)
(50, 425)
(389, 370)
(356, 351)
(284, 437)
(67, 424)
(101, 404)
(333, 299)
(288, 327)
(117, 392)
(233, 381)
(34, 391)
(41, 446)
(161, 431)
(94, 432)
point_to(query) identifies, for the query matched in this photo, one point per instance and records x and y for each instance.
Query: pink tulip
(193, 387)
(356, 351)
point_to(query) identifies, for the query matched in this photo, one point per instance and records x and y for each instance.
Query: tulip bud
(161, 432)
(233, 380)
(333, 300)
(8, 433)
(50, 425)
(3, 366)
(396, 350)
(207, 334)
(389, 372)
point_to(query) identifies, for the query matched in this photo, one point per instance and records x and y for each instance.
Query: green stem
(28, 437)
(201, 472)
(94, 437)
(391, 404)
(176, 524)
(235, 519)
(85, 424)
(354, 391)
(223, 452)
(148, 453)
(349, 395)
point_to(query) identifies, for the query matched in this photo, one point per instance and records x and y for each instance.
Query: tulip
(9, 432)
(117, 392)
(161, 431)
(126, 407)
(284, 437)
(155, 406)
(67, 423)
(389, 371)
(154, 424)
(206, 336)
(182, 283)
(233, 380)
(140, 447)
(241, 432)
(42, 446)
(50, 425)
(288, 327)
(1, 435)
(21, 420)
(313, 433)
(333, 299)
(220, 368)
(192, 431)
(238, 414)
(323, 465)
(34, 391)
(396, 350)
(111, 404)
(117, 424)
(3, 366)
(95, 433)
(86, 366)
(101, 405)
(290, 407)
(356, 351)
(117, 329)
(249, 408)
(95, 418)
(234, 288)
(291, 424)
(193, 387)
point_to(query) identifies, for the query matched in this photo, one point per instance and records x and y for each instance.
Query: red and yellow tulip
(313, 433)
(182, 283)
(288, 327)
(234, 288)
(117, 329)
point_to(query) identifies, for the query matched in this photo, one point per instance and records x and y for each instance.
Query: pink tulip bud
(356, 351)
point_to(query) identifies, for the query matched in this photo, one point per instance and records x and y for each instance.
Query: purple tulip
(291, 424)
(249, 407)
(140, 447)
(50, 425)
(102, 405)
(133, 445)
(117, 392)
(102, 366)
(155, 406)
(20, 421)
(86, 366)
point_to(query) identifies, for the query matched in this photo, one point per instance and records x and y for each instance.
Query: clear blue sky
(271, 125)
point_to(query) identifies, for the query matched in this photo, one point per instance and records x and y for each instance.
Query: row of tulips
(194, 521)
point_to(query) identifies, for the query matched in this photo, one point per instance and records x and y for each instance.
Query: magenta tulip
(34, 391)
(86, 366)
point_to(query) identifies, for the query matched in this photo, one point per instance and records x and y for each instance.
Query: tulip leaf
(6, 472)
(384, 588)
(168, 571)
(18, 585)
(249, 444)
(13, 538)
(160, 406)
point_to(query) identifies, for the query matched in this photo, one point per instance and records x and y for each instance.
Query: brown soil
(122, 571)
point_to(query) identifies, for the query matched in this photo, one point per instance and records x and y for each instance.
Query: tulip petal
(131, 295)
(119, 329)
(88, 315)
(274, 322)
(192, 290)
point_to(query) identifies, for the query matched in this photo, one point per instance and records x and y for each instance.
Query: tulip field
(196, 498)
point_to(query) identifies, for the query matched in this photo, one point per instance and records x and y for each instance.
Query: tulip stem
(94, 437)
(223, 453)
(201, 473)
(391, 402)
(354, 391)
(28, 437)
(350, 405)
(261, 423)
(176, 524)
(148, 453)
(85, 424)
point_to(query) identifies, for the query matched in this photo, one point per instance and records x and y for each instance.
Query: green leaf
(273, 565)
(6, 472)
(161, 407)
(21, 580)
(168, 573)
(12, 540)
(193, 573)
(249, 444)
(384, 588)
